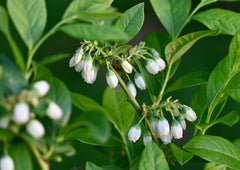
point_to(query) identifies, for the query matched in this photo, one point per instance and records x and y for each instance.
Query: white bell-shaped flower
(21, 113)
(78, 55)
(134, 133)
(42, 87)
(176, 130)
(182, 122)
(188, 113)
(111, 78)
(88, 77)
(139, 81)
(166, 139)
(154, 52)
(35, 129)
(160, 62)
(147, 137)
(72, 61)
(151, 66)
(163, 126)
(6, 163)
(54, 111)
(127, 67)
(79, 66)
(132, 88)
(154, 125)
(95, 73)
(88, 62)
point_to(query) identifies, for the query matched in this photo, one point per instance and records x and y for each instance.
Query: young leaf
(91, 166)
(131, 21)
(175, 49)
(120, 112)
(25, 160)
(121, 49)
(181, 155)
(169, 13)
(220, 19)
(153, 158)
(229, 119)
(215, 149)
(52, 59)
(189, 80)
(60, 94)
(93, 32)
(29, 17)
(213, 166)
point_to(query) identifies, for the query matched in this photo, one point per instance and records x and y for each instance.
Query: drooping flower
(132, 88)
(188, 113)
(35, 129)
(163, 126)
(134, 133)
(154, 125)
(139, 81)
(42, 87)
(166, 139)
(182, 121)
(72, 61)
(151, 66)
(21, 113)
(154, 52)
(6, 163)
(127, 67)
(160, 62)
(111, 78)
(78, 55)
(88, 62)
(54, 111)
(176, 130)
(147, 137)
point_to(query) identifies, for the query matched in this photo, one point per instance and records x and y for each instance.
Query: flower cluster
(159, 125)
(91, 55)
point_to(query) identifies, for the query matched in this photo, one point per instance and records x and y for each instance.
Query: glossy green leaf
(229, 119)
(220, 19)
(170, 13)
(12, 80)
(4, 25)
(189, 80)
(5, 134)
(175, 49)
(131, 21)
(60, 94)
(233, 88)
(121, 49)
(213, 166)
(90, 127)
(29, 17)
(219, 107)
(94, 32)
(206, 2)
(21, 156)
(153, 158)
(180, 154)
(120, 111)
(54, 58)
(43, 73)
(92, 166)
(236, 143)
(215, 149)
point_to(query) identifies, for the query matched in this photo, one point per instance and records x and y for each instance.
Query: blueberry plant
(37, 127)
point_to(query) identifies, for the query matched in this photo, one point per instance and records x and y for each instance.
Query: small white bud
(88, 77)
(42, 87)
(6, 163)
(78, 55)
(132, 88)
(127, 67)
(151, 66)
(88, 62)
(188, 113)
(176, 130)
(147, 137)
(154, 125)
(182, 122)
(112, 80)
(163, 126)
(166, 139)
(21, 113)
(79, 66)
(134, 133)
(35, 129)
(139, 81)
(54, 111)
(160, 62)
(72, 61)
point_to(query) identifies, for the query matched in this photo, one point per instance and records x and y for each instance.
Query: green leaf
(121, 49)
(4, 25)
(229, 119)
(189, 80)
(60, 94)
(213, 166)
(54, 58)
(131, 21)
(236, 143)
(206, 2)
(153, 158)
(92, 166)
(181, 155)
(94, 32)
(43, 73)
(21, 156)
(90, 127)
(12, 80)
(171, 13)
(220, 19)
(29, 17)
(120, 111)
(233, 88)
(5, 134)
(175, 49)
(215, 149)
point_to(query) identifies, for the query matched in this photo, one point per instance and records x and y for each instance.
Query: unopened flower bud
(88, 62)
(188, 113)
(72, 61)
(182, 121)
(160, 62)
(134, 133)
(6, 163)
(78, 55)
(21, 113)
(166, 139)
(176, 130)
(79, 66)
(42, 87)
(132, 88)
(54, 111)
(163, 126)
(147, 137)
(112, 80)
(154, 52)
(151, 66)
(127, 67)
(35, 129)
(139, 81)
(154, 125)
